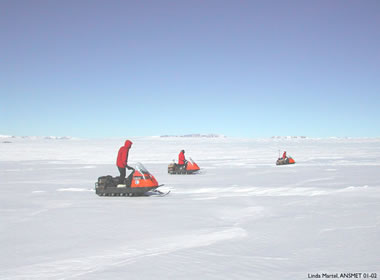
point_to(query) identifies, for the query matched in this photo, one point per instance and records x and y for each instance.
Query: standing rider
(122, 161)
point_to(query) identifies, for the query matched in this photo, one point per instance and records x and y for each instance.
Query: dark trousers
(182, 165)
(122, 174)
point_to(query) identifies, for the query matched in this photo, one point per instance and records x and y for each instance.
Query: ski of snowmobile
(157, 193)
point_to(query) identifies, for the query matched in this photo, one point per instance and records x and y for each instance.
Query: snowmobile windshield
(141, 168)
(191, 160)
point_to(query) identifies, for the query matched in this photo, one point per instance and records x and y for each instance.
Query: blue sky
(240, 68)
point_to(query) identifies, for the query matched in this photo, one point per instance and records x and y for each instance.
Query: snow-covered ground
(243, 217)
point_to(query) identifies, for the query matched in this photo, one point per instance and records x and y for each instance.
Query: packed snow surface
(242, 217)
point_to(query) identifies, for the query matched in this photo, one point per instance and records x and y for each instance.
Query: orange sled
(284, 161)
(189, 168)
(138, 183)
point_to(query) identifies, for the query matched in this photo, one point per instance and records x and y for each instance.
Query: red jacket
(181, 158)
(284, 155)
(122, 156)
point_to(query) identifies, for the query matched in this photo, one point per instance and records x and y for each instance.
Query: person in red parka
(122, 160)
(181, 158)
(284, 155)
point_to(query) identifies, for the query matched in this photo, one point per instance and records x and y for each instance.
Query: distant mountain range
(197, 135)
(289, 137)
(9, 137)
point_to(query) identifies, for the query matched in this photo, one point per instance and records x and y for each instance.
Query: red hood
(128, 144)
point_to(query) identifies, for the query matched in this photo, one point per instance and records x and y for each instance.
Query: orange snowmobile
(190, 167)
(139, 183)
(284, 161)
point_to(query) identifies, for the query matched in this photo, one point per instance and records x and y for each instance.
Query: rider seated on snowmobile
(182, 162)
(284, 158)
(284, 155)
